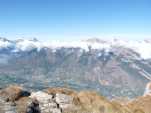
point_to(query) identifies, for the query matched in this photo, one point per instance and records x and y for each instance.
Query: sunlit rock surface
(77, 102)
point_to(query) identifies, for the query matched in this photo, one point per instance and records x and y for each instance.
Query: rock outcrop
(62, 100)
(46, 102)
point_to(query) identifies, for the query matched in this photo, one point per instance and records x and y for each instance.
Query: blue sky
(75, 19)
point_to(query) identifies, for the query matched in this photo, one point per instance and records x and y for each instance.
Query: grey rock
(64, 101)
(42, 96)
(56, 110)
(46, 102)
(62, 98)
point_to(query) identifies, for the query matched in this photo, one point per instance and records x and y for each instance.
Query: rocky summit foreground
(15, 99)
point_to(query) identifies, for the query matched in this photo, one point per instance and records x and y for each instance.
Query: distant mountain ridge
(140, 47)
(114, 67)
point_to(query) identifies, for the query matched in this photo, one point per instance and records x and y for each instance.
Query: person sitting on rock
(33, 107)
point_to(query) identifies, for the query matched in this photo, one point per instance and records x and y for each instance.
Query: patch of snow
(143, 48)
(148, 89)
(27, 45)
(5, 44)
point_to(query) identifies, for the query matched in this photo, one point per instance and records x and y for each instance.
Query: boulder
(65, 103)
(65, 99)
(41, 96)
(46, 102)
(55, 110)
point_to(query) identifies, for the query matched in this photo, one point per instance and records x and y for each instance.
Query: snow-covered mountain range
(113, 67)
(143, 48)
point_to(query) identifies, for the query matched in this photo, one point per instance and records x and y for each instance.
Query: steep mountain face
(116, 68)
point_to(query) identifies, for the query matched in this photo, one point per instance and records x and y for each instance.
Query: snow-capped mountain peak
(143, 48)
(4, 43)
